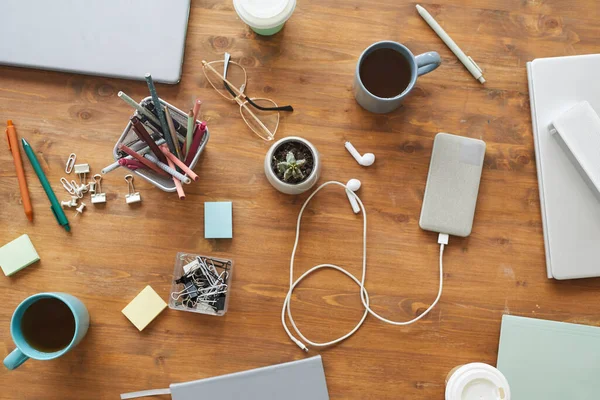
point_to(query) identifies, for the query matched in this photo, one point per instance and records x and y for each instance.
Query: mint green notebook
(549, 360)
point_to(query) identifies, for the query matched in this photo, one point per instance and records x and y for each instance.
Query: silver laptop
(115, 38)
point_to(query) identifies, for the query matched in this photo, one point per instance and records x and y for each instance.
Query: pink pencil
(196, 109)
(178, 186)
(179, 163)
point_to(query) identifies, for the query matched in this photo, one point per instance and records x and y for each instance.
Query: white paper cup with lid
(265, 17)
(476, 381)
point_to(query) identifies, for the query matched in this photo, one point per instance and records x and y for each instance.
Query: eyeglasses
(260, 114)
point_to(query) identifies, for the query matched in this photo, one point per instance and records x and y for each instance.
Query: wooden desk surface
(112, 253)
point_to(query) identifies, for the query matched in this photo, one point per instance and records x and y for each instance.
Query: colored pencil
(141, 159)
(190, 132)
(173, 133)
(160, 113)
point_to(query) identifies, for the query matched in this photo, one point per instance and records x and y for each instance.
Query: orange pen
(13, 146)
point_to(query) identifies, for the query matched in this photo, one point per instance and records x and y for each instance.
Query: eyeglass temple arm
(227, 58)
(253, 104)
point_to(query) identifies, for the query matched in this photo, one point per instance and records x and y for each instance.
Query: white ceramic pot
(289, 188)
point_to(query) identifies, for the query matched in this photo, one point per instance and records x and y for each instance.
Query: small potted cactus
(292, 165)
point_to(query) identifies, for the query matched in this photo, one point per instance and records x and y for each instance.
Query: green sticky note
(218, 220)
(17, 255)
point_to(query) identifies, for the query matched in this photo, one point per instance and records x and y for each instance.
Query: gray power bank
(452, 185)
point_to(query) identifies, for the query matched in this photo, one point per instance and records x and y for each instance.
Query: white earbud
(353, 185)
(364, 160)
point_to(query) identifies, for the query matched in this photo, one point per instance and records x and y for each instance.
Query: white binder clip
(99, 197)
(82, 170)
(132, 196)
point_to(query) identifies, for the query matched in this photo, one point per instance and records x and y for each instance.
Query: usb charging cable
(364, 296)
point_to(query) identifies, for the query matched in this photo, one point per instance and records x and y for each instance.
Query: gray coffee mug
(420, 65)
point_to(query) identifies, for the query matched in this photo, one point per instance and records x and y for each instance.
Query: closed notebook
(296, 380)
(570, 210)
(549, 360)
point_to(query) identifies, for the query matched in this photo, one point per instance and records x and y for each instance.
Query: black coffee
(385, 73)
(48, 325)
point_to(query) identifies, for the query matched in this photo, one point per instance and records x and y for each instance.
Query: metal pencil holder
(130, 139)
(201, 284)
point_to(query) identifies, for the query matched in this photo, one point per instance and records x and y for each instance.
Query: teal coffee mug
(45, 326)
(387, 72)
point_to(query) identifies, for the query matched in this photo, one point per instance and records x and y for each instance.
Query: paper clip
(79, 189)
(99, 197)
(68, 187)
(70, 163)
(132, 196)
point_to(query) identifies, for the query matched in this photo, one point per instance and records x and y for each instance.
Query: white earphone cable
(443, 240)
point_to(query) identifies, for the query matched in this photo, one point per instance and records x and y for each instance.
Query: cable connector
(443, 238)
(301, 345)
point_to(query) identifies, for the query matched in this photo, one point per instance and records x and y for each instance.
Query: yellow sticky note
(144, 308)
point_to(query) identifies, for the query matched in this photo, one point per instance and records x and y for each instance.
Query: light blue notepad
(549, 360)
(218, 220)
(16, 255)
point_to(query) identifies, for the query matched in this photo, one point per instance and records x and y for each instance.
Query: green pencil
(160, 113)
(139, 108)
(54, 204)
(190, 132)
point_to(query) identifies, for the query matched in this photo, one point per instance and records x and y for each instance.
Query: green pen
(55, 205)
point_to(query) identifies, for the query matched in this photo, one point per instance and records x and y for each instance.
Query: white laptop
(115, 38)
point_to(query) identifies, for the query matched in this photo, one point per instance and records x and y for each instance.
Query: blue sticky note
(218, 220)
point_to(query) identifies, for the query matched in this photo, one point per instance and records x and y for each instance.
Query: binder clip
(132, 196)
(70, 163)
(82, 170)
(99, 197)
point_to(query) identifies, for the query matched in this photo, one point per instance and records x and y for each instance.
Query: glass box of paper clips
(201, 284)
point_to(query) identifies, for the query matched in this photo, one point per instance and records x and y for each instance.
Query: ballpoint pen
(13, 146)
(468, 62)
(54, 203)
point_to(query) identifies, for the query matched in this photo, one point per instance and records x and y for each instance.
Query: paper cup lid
(477, 381)
(264, 14)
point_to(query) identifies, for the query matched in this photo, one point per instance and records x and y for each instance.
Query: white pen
(466, 60)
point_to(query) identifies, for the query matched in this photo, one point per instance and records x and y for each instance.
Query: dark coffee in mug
(385, 73)
(48, 325)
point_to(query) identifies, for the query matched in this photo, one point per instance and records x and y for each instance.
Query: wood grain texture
(114, 251)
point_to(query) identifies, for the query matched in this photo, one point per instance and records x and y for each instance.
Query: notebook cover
(549, 360)
(570, 211)
(296, 380)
